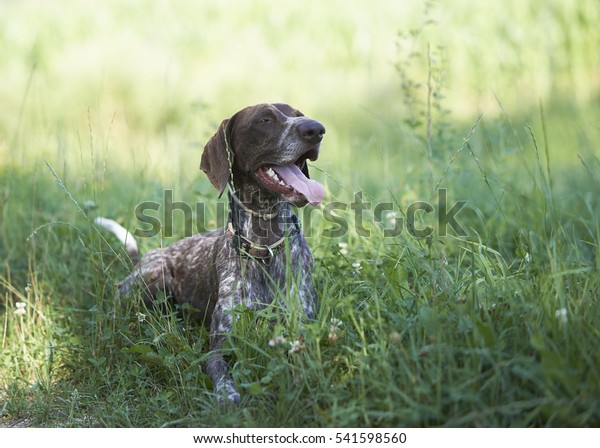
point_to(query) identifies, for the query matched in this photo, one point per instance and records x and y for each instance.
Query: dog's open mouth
(290, 181)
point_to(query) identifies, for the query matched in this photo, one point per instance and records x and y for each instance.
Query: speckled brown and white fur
(206, 271)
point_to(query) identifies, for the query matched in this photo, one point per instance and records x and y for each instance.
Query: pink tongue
(291, 174)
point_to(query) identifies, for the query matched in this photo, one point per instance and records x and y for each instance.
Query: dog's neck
(262, 219)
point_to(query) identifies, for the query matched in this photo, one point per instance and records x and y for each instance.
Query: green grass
(495, 328)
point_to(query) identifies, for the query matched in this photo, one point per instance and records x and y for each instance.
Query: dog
(260, 155)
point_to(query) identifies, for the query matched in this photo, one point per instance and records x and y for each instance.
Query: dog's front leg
(221, 326)
(307, 289)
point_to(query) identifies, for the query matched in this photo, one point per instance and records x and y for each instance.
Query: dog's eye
(265, 120)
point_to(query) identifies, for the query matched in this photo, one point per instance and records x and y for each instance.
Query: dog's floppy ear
(217, 158)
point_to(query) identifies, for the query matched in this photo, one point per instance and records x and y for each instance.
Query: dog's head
(268, 145)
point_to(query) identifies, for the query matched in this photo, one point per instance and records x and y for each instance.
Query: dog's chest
(278, 278)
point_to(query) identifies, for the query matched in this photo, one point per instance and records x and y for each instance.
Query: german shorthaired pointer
(260, 155)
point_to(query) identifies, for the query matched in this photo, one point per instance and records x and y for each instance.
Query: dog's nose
(311, 130)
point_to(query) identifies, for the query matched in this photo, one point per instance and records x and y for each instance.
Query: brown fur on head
(259, 138)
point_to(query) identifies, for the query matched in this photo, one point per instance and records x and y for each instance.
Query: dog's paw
(226, 393)
(234, 398)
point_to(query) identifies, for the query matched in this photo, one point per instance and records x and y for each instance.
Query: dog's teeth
(273, 175)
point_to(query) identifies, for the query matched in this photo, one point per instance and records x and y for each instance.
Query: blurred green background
(149, 81)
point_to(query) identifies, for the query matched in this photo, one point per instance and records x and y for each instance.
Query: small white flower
(334, 327)
(335, 324)
(297, 346)
(89, 205)
(20, 311)
(140, 316)
(356, 265)
(277, 340)
(390, 217)
(527, 258)
(343, 247)
(561, 315)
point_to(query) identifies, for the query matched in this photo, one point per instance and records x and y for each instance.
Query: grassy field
(492, 104)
